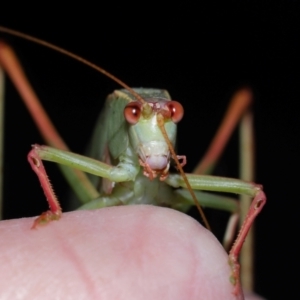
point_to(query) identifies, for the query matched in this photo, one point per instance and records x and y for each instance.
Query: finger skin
(128, 252)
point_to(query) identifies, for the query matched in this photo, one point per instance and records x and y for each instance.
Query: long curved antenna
(74, 56)
(121, 83)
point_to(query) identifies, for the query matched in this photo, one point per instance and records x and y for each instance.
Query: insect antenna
(160, 121)
(74, 56)
(129, 89)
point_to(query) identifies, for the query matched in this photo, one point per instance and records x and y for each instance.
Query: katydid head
(146, 137)
(144, 108)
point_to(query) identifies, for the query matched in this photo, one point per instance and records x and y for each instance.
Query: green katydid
(138, 113)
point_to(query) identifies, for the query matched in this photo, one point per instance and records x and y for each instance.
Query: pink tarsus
(55, 210)
(255, 208)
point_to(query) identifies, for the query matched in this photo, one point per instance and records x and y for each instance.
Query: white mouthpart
(157, 162)
(156, 154)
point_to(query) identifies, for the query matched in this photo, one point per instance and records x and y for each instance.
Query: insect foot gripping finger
(255, 208)
(55, 210)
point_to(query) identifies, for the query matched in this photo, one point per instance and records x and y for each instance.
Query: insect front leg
(78, 180)
(236, 186)
(239, 113)
(126, 170)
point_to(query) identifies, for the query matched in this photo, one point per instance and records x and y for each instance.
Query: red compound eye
(176, 110)
(132, 112)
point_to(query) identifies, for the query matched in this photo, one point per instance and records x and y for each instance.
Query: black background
(200, 55)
